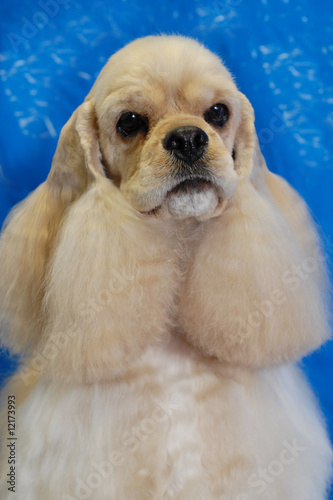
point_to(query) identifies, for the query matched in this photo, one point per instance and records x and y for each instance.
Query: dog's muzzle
(199, 179)
(194, 193)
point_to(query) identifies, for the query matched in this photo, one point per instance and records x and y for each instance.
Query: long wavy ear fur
(257, 289)
(110, 288)
(29, 231)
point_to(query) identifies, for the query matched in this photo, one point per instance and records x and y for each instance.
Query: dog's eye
(129, 124)
(217, 115)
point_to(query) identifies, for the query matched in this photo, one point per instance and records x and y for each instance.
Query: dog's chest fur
(177, 427)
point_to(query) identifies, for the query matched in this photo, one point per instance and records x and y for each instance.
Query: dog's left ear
(245, 139)
(257, 291)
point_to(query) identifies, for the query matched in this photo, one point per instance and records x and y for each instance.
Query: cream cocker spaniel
(159, 286)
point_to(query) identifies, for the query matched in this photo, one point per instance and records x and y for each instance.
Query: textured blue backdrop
(280, 52)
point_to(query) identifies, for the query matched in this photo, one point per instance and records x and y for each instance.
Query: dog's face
(168, 114)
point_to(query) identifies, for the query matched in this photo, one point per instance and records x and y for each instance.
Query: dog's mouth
(189, 186)
(195, 197)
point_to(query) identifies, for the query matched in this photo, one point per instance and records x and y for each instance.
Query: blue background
(280, 52)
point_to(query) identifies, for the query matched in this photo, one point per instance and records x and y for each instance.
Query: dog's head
(171, 130)
(175, 133)
(90, 263)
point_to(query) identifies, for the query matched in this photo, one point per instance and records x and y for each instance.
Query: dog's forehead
(166, 61)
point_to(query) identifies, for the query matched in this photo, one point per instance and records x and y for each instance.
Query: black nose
(187, 143)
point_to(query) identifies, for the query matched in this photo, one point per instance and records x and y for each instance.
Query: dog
(160, 286)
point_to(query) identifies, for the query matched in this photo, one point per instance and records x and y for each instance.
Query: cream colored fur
(157, 349)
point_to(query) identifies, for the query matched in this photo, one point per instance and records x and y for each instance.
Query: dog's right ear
(29, 231)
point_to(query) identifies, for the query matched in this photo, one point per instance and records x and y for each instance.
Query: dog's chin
(195, 198)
